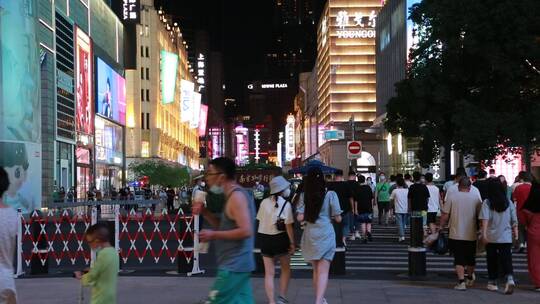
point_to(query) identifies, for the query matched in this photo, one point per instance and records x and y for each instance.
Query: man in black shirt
(354, 186)
(170, 199)
(418, 197)
(482, 183)
(343, 192)
(363, 209)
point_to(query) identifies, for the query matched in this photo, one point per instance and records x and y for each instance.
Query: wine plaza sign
(357, 25)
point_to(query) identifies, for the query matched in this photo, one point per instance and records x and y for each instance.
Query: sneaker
(509, 287)
(470, 280)
(537, 289)
(492, 287)
(282, 300)
(352, 238)
(461, 286)
(370, 237)
(357, 234)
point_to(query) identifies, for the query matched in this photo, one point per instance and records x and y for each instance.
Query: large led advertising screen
(85, 106)
(20, 114)
(109, 139)
(111, 93)
(168, 68)
(20, 104)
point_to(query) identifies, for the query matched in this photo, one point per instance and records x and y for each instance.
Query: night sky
(240, 29)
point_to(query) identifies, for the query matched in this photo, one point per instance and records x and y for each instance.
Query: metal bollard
(417, 251)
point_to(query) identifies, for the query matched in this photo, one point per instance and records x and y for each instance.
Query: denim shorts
(364, 218)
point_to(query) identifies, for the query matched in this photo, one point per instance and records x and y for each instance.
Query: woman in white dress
(319, 238)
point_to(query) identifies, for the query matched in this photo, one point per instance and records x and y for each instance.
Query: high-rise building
(394, 39)
(346, 77)
(160, 93)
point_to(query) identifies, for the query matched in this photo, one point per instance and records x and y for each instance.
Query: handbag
(440, 246)
(280, 223)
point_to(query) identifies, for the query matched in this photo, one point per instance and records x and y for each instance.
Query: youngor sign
(356, 25)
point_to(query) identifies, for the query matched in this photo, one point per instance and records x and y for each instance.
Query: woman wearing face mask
(275, 236)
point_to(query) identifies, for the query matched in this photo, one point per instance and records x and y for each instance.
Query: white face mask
(382, 178)
(286, 193)
(203, 184)
(217, 189)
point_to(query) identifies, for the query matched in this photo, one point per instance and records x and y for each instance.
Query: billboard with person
(84, 107)
(111, 93)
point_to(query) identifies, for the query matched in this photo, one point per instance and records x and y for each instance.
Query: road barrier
(52, 241)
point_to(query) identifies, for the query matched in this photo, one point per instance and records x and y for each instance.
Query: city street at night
(269, 151)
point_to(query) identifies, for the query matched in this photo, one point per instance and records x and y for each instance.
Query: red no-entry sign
(354, 149)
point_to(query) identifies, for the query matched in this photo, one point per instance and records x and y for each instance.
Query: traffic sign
(334, 134)
(354, 149)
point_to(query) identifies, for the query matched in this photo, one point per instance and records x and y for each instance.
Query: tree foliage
(160, 173)
(472, 81)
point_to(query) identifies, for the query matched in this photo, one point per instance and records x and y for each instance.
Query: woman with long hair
(319, 239)
(499, 227)
(507, 189)
(276, 238)
(531, 212)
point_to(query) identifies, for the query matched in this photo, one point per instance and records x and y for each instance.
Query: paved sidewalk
(183, 290)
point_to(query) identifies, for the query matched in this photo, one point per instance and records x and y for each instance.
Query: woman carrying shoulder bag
(319, 238)
(275, 236)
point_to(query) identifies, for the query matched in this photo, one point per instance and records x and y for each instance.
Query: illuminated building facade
(59, 44)
(346, 61)
(346, 76)
(160, 93)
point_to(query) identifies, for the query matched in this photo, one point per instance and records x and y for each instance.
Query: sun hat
(278, 184)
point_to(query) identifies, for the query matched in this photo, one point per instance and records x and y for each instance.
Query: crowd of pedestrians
(482, 213)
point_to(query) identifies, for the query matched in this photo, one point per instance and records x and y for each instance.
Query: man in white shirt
(460, 211)
(8, 233)
(399, 197)
(434, 203)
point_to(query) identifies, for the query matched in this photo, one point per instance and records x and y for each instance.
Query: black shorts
(383, 206)
(464, 252)
(273, 246)
(432, 218)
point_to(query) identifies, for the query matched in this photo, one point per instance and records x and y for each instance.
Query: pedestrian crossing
(386, 254)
